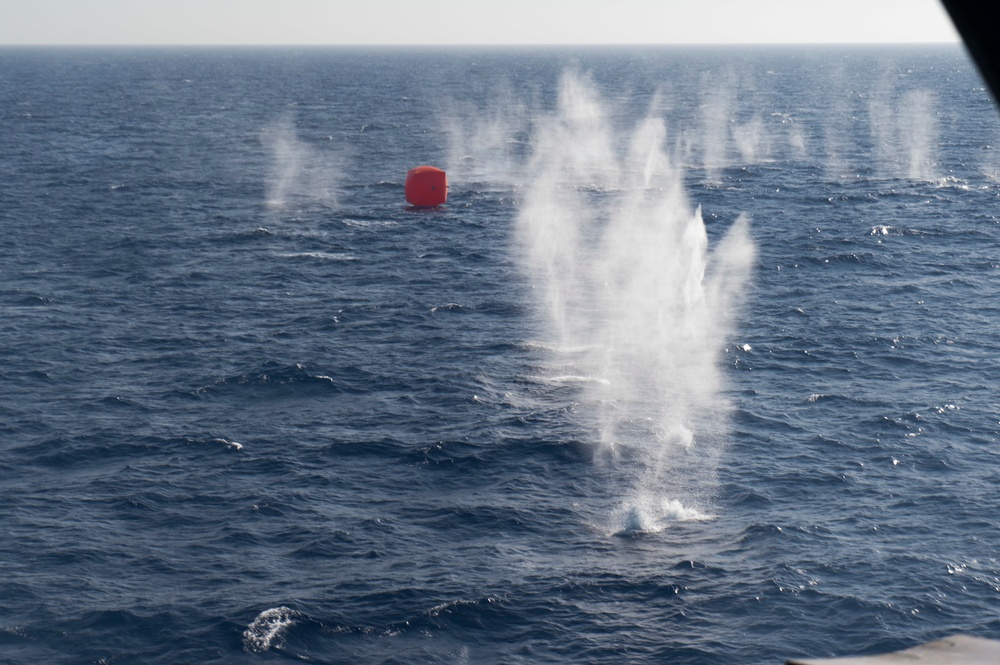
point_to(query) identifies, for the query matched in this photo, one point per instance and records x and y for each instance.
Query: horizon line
(466, 44)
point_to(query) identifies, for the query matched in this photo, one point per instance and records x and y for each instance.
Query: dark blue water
(256, 409)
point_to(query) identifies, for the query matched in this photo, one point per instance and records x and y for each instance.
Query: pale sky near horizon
(339, 22)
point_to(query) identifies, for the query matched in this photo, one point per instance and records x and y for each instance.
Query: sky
(409, 22)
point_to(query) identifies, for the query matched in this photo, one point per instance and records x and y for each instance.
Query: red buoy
(426, 186)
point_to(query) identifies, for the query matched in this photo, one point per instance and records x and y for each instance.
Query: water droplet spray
(627, 280)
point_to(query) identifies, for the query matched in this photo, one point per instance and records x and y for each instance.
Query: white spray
(627, 283)
(904, 134)
(299, 172)
(485, 145)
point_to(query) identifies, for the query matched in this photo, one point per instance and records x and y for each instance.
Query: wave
(326, 256)
(267, 630)
(574, 378)
(277, 380)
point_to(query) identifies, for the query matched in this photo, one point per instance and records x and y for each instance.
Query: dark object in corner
(976, 22)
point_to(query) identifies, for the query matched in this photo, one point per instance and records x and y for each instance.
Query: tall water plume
(732, 129)
(299, 172)
(634, 300)
(904, 134)
(486, 145)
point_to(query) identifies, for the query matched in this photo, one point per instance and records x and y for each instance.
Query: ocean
(698, 363)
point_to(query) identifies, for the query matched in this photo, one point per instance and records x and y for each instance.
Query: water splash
(266, 631)
(625, 278)
(487, 145)
(732, 130)
(646, 514)
(300, 172)
(716, 117)
(904, 134)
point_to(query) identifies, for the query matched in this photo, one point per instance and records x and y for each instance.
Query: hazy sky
(337, 22)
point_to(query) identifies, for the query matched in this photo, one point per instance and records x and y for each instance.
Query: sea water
(698, 364)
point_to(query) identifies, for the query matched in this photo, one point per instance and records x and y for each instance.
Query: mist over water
(904, 134)
(486, 145)
(299, 171)
(634, 299)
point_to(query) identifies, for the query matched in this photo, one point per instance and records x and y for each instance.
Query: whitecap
(535, 345)
(326, 256)
(575, 378)
(449, 307)
(235, 445)
(950, 181)
(365, 223)
(267, 629)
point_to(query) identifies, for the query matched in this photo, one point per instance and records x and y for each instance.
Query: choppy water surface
(698, 364)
